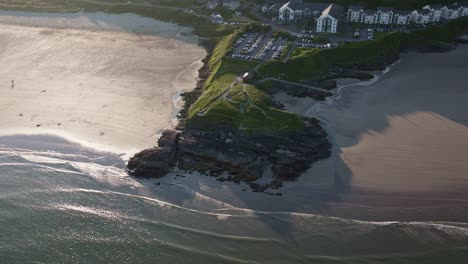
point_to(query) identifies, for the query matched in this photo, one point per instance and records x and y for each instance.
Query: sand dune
(110, 89)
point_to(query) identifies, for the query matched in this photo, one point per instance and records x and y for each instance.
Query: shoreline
(119, 72)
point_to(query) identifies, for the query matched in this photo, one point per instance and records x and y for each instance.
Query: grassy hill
(228, 102)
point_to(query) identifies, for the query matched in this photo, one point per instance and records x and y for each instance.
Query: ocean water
(63, 203)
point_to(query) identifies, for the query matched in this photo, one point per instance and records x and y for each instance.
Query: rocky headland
(276, 156)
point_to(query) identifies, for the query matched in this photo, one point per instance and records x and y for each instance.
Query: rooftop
(332, 10)
(299, 5)
(424, 11)
(403, 12)
(356, 7)
(385, 9)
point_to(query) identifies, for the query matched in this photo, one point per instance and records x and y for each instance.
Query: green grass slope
(312, 64)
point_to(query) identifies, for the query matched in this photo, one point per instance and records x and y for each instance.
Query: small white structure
(402, 17)
(328, 21)
(385, 15)
(216, 17)
(421, 17)
(355, 14)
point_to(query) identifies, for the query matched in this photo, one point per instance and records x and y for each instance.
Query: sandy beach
(405, 139)
(402, 143)
(101, 80)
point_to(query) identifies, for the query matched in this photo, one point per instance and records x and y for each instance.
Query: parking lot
(261, 47)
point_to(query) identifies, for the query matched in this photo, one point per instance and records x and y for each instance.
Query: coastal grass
(226, 101)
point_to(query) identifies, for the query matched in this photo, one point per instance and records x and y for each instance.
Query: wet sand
(402, 143)
(93, 78)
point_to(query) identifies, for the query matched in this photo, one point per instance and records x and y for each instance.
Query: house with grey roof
(462, 8)
(436, 12)
(422, 16)
(294, 11)
(272, 7)
(385, 15)
(329, 20)
(453, 11)
(212, 4)
(381, 15)
(370, 17)
(231, 4)
(402, 17)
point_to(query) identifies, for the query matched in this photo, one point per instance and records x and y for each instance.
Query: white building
(381, 16)
(355, 14)
(452, 12)
(462, 9)
(421, 17)
(436, 12)
(464, 6)
(329, 19)
(297, 10)
(402, 17)
(370, 17)
(385, 15)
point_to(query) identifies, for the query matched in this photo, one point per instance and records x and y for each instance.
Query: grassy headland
(228, 102)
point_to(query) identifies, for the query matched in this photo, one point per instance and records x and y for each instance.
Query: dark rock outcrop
(246, 157)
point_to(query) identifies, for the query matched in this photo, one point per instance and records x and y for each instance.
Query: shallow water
(62, 203)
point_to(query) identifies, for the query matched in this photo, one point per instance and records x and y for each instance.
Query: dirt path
(298, 84)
